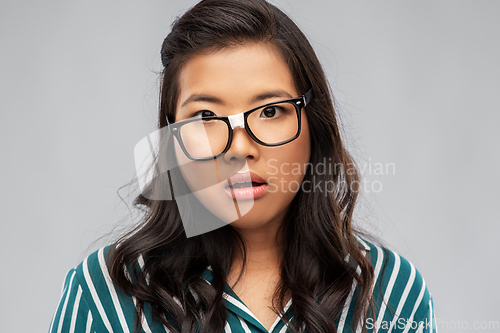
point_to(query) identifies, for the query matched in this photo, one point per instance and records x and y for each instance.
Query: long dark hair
(317, 228)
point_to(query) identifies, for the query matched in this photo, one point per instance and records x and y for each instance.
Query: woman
(254, 238)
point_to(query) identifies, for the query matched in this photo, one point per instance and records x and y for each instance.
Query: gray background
(416, 82)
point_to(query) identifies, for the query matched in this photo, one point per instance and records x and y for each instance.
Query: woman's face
(228, 82)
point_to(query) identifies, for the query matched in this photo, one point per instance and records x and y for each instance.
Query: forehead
(236, 74)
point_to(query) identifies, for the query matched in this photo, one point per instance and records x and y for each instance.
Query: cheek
(197, 174)
(288, 164)
(298, 153)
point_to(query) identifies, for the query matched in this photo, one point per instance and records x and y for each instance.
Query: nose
(242, 146)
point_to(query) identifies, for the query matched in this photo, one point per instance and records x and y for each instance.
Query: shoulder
(91, 299)
(115, 309)
(400, 294)
(93, 273)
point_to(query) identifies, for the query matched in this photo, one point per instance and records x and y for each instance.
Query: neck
(262, 268)
(263, 249)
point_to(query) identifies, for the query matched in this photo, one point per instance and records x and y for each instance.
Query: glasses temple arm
(307, 97)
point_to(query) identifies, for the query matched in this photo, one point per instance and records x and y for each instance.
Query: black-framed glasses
(207, 137)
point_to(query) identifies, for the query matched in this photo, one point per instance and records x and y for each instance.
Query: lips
(247, 185)
(239, 179)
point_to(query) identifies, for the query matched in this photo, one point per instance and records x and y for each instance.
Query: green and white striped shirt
(91, 303)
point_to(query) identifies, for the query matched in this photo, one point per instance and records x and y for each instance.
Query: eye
(270, 111)
(204, 114)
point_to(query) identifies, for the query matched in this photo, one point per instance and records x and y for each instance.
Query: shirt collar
(233, 302)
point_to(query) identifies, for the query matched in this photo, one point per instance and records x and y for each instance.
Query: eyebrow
(215, 100)
(202, 98)
(271, 94)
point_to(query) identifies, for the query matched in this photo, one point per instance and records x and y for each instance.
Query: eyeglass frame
(241, 120)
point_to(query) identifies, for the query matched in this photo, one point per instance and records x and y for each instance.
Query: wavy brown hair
(317, 228)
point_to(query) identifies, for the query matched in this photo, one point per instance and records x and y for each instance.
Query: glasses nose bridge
(237, 120)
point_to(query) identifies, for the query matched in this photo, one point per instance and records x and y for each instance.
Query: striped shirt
(91, 303)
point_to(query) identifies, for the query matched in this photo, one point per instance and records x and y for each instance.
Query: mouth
(246, 185)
